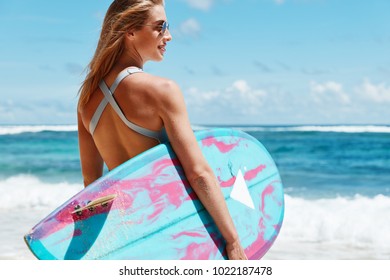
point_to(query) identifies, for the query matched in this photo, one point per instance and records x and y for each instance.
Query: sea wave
(345, 129)
(18, 129)
(29, 192)
(358, 222)
(319, 128)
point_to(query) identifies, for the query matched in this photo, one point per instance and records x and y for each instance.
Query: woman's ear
(130, 35)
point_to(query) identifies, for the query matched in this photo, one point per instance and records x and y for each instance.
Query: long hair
(121, 16)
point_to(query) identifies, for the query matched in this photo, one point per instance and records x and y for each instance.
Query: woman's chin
(158, 58)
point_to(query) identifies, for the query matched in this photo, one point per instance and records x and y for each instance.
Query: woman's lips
(162, 49)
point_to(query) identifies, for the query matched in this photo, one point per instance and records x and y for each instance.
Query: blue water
(328, 164)
(48, 155)
(314, 161)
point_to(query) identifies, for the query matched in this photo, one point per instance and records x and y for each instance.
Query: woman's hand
(235, 251)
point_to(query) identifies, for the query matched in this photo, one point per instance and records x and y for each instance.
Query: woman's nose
(167, 35)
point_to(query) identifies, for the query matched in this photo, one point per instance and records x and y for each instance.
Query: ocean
(336, 181)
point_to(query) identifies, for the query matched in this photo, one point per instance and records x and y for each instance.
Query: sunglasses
(164, 27)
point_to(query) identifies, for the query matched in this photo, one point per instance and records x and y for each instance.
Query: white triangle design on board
(240, 191)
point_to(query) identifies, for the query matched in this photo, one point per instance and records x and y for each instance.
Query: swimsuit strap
(109, 98)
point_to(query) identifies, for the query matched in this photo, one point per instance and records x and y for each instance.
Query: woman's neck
(130, 58)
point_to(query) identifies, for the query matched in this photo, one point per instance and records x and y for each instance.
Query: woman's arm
(91, 161)
(198, 172)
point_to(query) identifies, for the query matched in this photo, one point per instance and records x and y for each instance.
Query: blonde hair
(121, 16)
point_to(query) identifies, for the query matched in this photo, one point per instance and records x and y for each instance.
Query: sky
(255, 62)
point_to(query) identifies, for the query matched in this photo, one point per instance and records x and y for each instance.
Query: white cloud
(329, 92)
(33, 104)
(248, 99)
(236, 100)
(203, 5)
(40, 111)
(190, 27)
(240, 85)
(379, 93)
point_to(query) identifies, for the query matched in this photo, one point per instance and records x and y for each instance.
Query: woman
(145, 107)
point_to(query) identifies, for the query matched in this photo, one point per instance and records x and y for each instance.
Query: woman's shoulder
(156, 86)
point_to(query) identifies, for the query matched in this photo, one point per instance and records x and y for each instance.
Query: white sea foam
(353, 228)
(344, 128)
(359, 223)
(28, 192)
(24, 201)
(199, 127)
(320, 128)
(18, 129)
